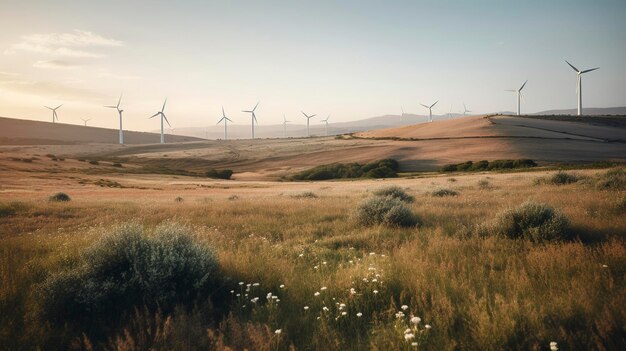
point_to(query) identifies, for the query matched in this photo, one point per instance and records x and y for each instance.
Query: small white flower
(324, 262)
(278, 331)
(282, 286)
(325, 308)
(317, 293)
(359, 314)
(404, 307)
(416, 320)
(375, 291)
(407, 330)
(300, 255)
(238, 295)
(240, 283)
(372, 253)
(342, 306)
(414, 344)
(409, 336)
(605, 266)
(427, 326)
(365, 280)
(374, 280)
(254, 300)
(232, 291)
(315, 267)
(323, 288)
(306, 308)
(350, 261)
(399, 315)
(344, 313)
(553, 346)
(269, 295)
(352, 291)
(255, 284)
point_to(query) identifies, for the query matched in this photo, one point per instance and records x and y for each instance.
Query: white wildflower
(317, 293)
(416, 320)
(409, 336)
(427, 326)
(278, 331)
(359, 314)
(404, 307)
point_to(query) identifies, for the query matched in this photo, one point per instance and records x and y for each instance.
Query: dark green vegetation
(484, 165)
(559, 178)
(441, 192)
(219, 173)
(60, 197)
(386, 168)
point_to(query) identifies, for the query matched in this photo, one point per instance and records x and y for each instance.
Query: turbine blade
(257, 104)
(228, 119)
(575, 69)
(312, 116)
(223, 113)
(424, 105)
(62, 104)
(520, 89)
(246, 111)
(168, 122)
(305, 115)
(220, 121)
(589, 70)
(49, 107)
(156, 114)
(110, 106)
(511, 90)
(163, 109)
(433, 105)
(119, 101)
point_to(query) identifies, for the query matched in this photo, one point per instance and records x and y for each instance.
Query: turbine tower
(402, 109)
(285, 121)
(86, 120)
(55, 117)
(465, 110)
(326, 122)
(253, 117)
(519, 95)
(308, 118)
(160, 113)
(119, 111)
(430, 110)
(226, 120)
(579, 85)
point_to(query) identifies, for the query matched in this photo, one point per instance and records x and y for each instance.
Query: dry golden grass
(476, 292)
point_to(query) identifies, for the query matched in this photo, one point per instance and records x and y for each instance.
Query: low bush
(385, 210)
(484, 184)
(444, 192)
(386, 168)
(613, 179)
(531, 220)
(395, 192)
(488, 165)
(179, 199)
(559, 178)
(128, 269)
(219, 173)
(304, 195)
(12, 208)
(119, 165)
(94, 162)
(60, 197)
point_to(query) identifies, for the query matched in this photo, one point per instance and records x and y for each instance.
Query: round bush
(531, 220)
(395, 192)
(444, 192)
(61, 197)
(128, 269)
(563, 178)
(385, 210)
(614, 179)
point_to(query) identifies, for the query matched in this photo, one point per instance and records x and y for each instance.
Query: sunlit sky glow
(351, 59)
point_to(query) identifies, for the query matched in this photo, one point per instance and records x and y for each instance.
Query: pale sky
(350, 59)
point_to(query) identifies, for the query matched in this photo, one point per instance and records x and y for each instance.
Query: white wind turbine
(253, 117)
(308, 118)
(465, 110)
(86, 120)
(579, 85)
(54, 112)
(519, 95)
(450, 112)
(326, 122)
(226, 120)
(285, 121)
(160, 113)
(430, 110)
(402, 108)
(119, 111)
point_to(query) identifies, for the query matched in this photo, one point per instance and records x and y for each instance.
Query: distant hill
(25, 132)
(591, 111)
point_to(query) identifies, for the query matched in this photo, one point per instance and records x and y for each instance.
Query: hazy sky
(351, 59)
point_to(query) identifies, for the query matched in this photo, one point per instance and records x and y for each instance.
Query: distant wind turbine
(326, 122)
(465, 110)
(253, 117)
(519, 95)
(119, 111)
(285, 121)
(402, 108)
(55, 117)
(226, 120)
(308, 118)
(579, 85)
(86, 120)
(450, 112)
(162, 115)
(430, 110)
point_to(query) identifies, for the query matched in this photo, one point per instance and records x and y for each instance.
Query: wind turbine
(54, 112)
(465, 110)
(253, 118)
(326, 121)
(402, 108)
(430, 110)
(579, 85)
(160, 113)
(119, 111)
(519, 95)
(285, 121)
(86, 120)
(226, 120)
(308, 118)
(450, 112)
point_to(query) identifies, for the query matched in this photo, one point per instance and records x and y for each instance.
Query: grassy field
(334, 284)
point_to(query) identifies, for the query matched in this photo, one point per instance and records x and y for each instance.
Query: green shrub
(304, 195)
(561, 177)
(620, 204)
(60, 197)
(613, 179)
(484, 184)
(385, 210)
(530, 220)
(444, 192)
(94, 162)
(487, 165)
(480, 165)
(126, 270)
(219, 173)
(386, 168)
(395, 192)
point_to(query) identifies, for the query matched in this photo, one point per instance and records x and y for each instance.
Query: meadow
(296, 270)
